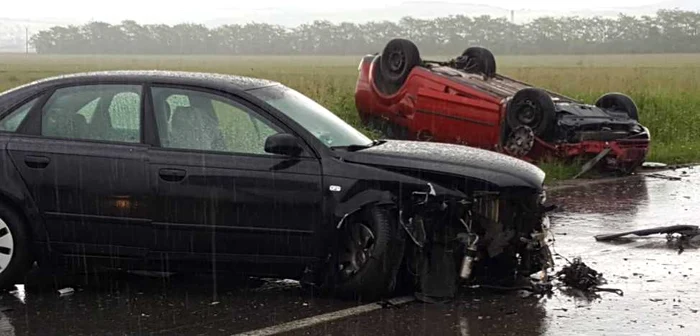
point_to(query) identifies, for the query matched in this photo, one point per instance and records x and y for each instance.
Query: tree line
(669, 31)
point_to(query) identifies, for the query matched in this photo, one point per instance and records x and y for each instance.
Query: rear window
(11, 122)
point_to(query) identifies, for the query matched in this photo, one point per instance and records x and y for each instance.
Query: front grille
(488, 209)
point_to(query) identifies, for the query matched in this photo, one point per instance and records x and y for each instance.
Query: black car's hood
(499, 169)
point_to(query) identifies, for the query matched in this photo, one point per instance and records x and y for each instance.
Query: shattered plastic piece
(665, 177)
(654, 165)
(684, 230)
(578, 275)
(590, 164)
(66, 291)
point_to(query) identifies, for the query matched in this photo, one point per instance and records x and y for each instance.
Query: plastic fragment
(66, 291)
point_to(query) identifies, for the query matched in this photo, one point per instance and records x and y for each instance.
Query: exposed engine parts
(490, 235)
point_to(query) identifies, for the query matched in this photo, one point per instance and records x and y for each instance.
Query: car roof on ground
(184, 77)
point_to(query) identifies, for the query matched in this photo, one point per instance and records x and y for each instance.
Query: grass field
(666, 88)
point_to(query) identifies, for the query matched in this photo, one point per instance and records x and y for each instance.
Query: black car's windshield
(324, 124)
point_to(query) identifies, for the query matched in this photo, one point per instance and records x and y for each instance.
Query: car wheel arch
(17, 196)
(35, 228)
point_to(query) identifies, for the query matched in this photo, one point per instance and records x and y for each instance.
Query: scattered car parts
(580, 276)
(685, 234)
(465, 101)
(684, 230)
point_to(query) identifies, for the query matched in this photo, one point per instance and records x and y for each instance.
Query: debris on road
(654, 165)
(684, 230)
(665, 177)
(579, 276)
(66, 291)
(687, 234)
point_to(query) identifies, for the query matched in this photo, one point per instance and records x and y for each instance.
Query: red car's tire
(480, 60)
(398, 58)
(619, 102)
(534, 108)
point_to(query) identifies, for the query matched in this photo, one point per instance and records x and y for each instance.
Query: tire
(398, 58)
(15, 255)
(534, 108)
(376, 277)
(480, 60)
(618, 102)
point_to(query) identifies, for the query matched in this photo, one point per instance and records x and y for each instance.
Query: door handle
(36, 161)
(172, 175)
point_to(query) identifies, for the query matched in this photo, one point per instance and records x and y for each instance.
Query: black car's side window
(106, 112)
(189, 119)
(12, 121)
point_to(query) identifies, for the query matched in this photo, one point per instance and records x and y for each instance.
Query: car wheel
(618, 102)
(481, 60)
(369, 253)
(533, 108)
(398, 58)
(14, 248)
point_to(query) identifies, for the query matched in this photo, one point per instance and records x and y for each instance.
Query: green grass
(666, 87)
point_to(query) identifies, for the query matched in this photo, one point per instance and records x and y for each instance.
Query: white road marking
(323, 318)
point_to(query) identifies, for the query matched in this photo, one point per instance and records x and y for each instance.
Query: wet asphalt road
(660, 286)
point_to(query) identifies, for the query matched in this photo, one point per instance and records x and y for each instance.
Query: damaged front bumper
(622, 154)
(494, 238)
(622, 147)
(626, 145)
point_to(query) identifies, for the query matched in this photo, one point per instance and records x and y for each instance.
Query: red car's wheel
(618, 102)
(481, 60)
(534, 108)
(398, 58)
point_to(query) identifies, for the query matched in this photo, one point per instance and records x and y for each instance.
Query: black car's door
(81, 156)
(217, 190)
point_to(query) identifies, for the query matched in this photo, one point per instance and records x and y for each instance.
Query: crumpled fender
(360, 200)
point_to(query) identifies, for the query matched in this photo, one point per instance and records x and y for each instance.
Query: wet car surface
(659, 284)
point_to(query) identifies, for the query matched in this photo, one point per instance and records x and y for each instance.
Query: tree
(667, 31)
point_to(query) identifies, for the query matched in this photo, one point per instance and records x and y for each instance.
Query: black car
(177, 170)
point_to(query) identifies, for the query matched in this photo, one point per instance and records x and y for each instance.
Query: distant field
(666, 87)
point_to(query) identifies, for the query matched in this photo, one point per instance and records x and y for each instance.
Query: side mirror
(283, 143)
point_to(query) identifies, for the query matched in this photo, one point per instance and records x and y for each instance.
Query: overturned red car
(465, 101)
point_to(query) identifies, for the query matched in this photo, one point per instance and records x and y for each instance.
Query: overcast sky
(201, 10)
